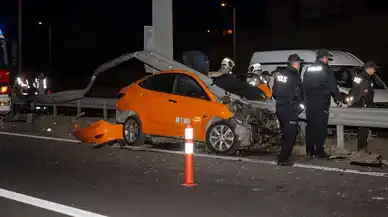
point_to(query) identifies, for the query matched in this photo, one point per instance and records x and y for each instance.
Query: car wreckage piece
(253, 122)
(99, 132)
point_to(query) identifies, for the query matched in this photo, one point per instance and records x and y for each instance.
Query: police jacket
(319, 79)
(287, 86)
(362, 93)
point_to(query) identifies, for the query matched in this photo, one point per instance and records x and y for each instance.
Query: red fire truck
(5, 85)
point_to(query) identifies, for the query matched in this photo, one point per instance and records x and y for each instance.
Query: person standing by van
(319, 84)
(361, 96)
(287, 92)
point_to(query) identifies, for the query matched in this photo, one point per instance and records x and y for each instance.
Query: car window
(187, 86)
(161, 83)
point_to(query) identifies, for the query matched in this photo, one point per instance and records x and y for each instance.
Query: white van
(345, 66)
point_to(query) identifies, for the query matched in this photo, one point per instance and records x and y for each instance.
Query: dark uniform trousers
(362, 135)
(317, 114)
(288, 117)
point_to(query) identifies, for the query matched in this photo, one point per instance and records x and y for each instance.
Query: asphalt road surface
(41, 177)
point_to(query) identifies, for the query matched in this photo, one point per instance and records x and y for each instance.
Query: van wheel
(221, 139)
(132, 132)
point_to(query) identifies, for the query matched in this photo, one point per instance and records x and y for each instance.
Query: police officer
(288, 95)
(361, 95)
(319, 84)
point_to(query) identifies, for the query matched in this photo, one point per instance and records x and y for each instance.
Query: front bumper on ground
(99, 132)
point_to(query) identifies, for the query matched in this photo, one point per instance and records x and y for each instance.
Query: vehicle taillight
(5, 90)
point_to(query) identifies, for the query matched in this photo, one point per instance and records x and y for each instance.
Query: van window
(344, 76)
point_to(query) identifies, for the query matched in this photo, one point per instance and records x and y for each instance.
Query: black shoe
(323, 155)
(285, 163)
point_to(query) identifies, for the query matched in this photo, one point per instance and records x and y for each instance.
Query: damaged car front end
(251, 125)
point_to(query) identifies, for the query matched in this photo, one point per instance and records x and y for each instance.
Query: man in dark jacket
(287, 92)
(361, 96)
(319, 85)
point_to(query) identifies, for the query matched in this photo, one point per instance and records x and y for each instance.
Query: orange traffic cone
(189, 150)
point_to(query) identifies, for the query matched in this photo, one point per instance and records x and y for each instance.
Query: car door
(157, 105)
(192, 105)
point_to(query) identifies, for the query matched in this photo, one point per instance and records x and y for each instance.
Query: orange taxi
(161, 104)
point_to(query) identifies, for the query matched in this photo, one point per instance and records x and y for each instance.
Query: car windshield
(232, 84)
(345, 76)
(3, 55)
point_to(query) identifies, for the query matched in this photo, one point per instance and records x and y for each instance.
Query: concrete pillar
(162, 23)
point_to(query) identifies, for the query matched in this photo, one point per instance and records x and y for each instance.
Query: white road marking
(305, 166)
(48, 205)
(40, 137)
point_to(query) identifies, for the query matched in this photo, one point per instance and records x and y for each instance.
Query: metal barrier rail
(94, 103)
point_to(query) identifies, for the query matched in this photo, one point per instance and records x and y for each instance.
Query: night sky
(87, 33)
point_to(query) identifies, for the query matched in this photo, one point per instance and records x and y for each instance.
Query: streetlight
(224, 4)
(49, 41)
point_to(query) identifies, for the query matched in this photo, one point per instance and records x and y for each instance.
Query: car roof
(280, 56)
(167, 72)
(211, 94)
(176, 72)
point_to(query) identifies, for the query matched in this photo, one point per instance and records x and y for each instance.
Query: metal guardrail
(104, 104)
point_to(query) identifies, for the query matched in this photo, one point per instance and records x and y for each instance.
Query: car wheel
(132, 132)
(221, 139)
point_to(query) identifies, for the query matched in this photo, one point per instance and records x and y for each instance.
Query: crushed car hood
(232, 84)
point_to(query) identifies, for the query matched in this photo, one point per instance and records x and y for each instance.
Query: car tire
(230, 144)
(133, 125)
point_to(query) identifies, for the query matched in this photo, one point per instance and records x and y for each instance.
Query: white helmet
(228, 63)
(255, 68)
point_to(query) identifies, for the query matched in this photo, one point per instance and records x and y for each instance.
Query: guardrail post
(55, 110)
(105, 110)
(340, 137)
(78, 107)
(369, 135)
